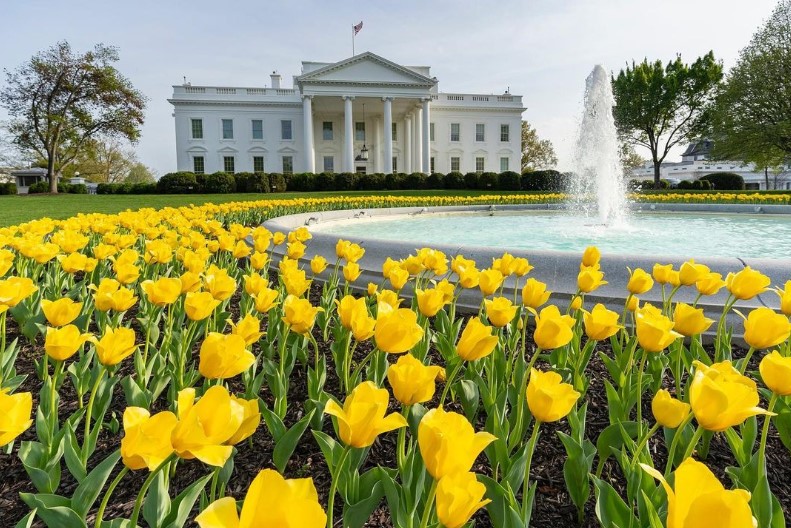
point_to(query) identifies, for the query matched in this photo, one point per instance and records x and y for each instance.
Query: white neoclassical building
(362, 114)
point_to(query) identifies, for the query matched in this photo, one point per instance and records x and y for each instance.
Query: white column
(388, 124)
(348, 134)
(307, 126)
(377, 145)
(419, 139)
(408, 144)
(426, 145)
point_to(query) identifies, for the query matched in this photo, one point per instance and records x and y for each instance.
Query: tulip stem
(642, 444)
(449, 381)
(88, 413)
(144, 489)
(531, 447)
(334, 485)
(429, 505)
(2, 344)
(640, 370)
(746, 360)
(693, 443)
(401, 453)
(765, 434)
(107, 495)
(671, 455)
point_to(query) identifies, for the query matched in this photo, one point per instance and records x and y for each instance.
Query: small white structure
(362, 114)
(27, 177)
(696, 162)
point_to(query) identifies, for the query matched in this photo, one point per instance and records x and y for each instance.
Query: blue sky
(541, 49)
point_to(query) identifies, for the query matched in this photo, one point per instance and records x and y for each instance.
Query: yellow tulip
(351, 271)
(127, 273)
(785, 298)
(162, 292)
(765, 328)
(204, 428)
(15, 412)
(266, 299)
(146, 442)
(115, 345)
(459, 496)
(548, 398)
(747, 283)
(318, 264)
(14, 290)
(60, 312)
(639, 282)
(721, 397)
(699, 499)
(299, 314)
(489, 281)
(553, 330)
(62, 343)
(296, 282)
(448, 443)
(590, 279)
(710, 284)
(199, 305)
(363, 416)
(469, 278)
(250, 421)
(190, 282)
(398, 277)
(591, 257)
(295, 250)
(654, 330)
(76, 262)
(258, 260)
(224, 356)
(500, 311)
(534, 293)
(633, 304)
(248, 328)
(389, 298)
(690, 272)
(668, 411)
(689, 321)
(476, 341)
(372, 288)
(600, 323)
(397, 330)
(776, 373)
(576, 302)
(218, 283)
(271, 500)
(254, 283)
(6, 261)
(411, 380)
(430, 301)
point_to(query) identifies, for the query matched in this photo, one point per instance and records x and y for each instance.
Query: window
(395, 164)
(285, 130)
(258, 164)
(431, 131)
(227, 128)
(198, 166)
(258, 129)
(455, 164)
(432, 164)
(288, 162)
(503, 164)
(480, 131)
(395, 132)
(197, 129)
(326, 130)
(228, 164)
(360, 169)
(329, 163)
(455, 131)
(505, 133)
(359, 131)
(478, 164)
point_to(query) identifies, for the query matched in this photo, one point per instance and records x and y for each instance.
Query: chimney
(275, 79)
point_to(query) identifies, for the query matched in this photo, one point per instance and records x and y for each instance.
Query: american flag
(357, 27)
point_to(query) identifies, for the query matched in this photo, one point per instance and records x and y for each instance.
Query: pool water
(667, 234)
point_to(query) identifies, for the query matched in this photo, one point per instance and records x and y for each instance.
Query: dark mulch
(553, 506)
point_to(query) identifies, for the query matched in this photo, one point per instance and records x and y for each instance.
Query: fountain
(596, 161)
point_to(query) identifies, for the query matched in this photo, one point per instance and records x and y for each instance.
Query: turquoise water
(661, 234)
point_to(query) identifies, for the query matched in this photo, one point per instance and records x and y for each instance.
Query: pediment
(260, 150)
(227, 150)
(366, 68)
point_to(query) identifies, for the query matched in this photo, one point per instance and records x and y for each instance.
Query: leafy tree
(630, 159)
(537, 154)
(139, 173)
(659, 106)
(60, 100)
(103, 160)
(751, 120)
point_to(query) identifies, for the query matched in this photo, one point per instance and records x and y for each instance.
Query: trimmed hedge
(544, 180)
(7, 189)
(701, 185)
(725, 181)
(42, 187)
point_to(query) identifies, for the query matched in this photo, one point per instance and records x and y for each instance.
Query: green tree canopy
(658, 106)
(537, 154)
(59, 100)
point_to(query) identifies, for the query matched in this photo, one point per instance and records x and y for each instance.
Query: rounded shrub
(370, 182)
(324, 181)
(471, 180)
(177, 183)
(684, 184)
(454, 180)
(218, 183)
(251, 182)
(345, 181)
(487, 181)
(544, 181)
(393, 181)
(435, 180)
(301, 182)
(509, 181)
(414, 181)
(277, 182)
(701, 185)
(7, 188)
(725, 181)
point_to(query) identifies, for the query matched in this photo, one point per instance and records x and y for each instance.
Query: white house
(696, 162)
(362, 114)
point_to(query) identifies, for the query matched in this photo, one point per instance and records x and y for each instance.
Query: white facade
(334, 111)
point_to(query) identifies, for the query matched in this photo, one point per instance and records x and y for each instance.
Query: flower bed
(156, 368)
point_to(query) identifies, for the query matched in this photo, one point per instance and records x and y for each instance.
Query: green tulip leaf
(90, 487)
(182, 505)
(157, 503)
(284, 447)
(54, 510)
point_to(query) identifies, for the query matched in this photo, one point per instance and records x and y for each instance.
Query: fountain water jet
(596, 161)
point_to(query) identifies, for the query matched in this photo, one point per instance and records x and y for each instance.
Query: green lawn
(17, 209)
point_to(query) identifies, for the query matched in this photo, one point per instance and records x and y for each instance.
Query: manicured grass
(17, 209)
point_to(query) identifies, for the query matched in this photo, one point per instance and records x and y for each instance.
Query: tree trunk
(766, 177)
(51, 175)
(657, 174)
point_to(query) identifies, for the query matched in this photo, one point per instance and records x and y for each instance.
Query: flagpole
(353, 40)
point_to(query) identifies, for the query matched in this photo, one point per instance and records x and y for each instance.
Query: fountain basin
(557, 268)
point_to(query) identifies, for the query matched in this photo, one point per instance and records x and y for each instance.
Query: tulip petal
(221, 513)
